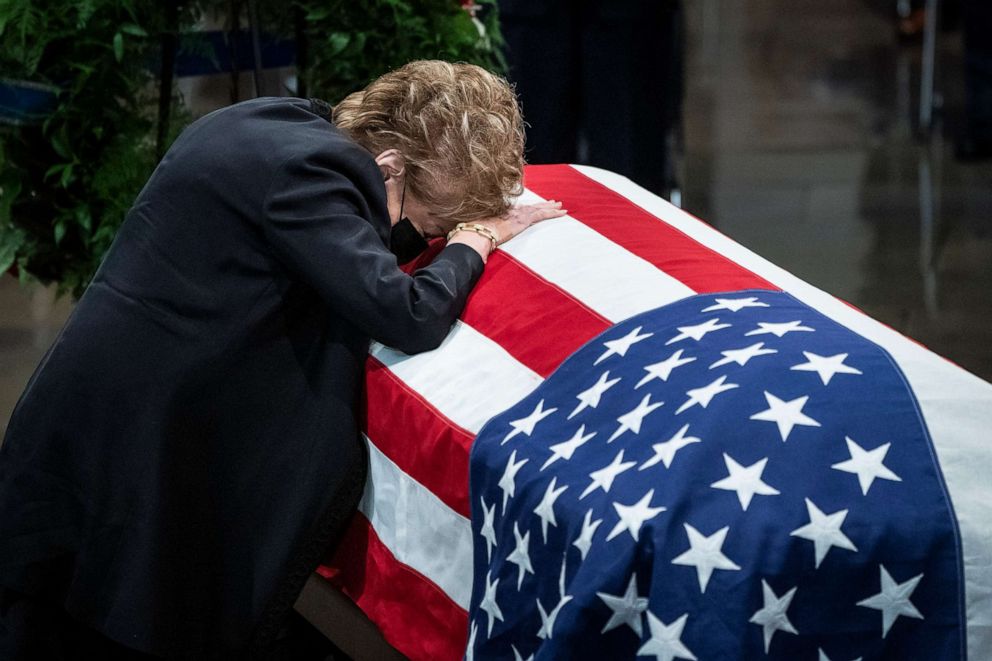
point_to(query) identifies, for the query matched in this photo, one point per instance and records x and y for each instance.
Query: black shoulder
(234, 156)
(269, 130)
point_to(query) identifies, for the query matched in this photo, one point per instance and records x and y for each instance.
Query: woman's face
(412, 222)
(427, 224)
(403, 202)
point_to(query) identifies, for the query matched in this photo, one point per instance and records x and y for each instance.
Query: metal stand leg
(930, 171)
(928, 66)
(255, 45)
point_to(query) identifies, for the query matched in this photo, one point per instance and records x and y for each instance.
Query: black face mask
(405, 241)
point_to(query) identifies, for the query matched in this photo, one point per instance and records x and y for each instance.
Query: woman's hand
(519, 218)
(516, 220)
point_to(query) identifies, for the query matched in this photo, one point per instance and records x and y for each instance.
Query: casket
(642, 439)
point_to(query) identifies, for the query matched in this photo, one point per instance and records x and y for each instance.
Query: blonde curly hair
(458, 127)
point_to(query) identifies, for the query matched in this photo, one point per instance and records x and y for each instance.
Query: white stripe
(957, 405)
(608, 278)
(469, 378)
(418, 529)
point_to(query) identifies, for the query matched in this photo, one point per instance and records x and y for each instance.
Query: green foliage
(351, 43)
(67, 183)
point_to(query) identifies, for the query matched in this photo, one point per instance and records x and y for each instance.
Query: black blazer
(185, 452)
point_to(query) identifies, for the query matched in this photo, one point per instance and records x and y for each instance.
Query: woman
(187, 450)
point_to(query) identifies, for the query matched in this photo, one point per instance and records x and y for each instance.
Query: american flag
(682, 452)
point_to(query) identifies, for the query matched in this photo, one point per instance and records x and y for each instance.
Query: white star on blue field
(737, 452)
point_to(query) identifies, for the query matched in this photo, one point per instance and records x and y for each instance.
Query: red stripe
(414, 615)
(417, 437)
(512, 305)
(534, 320)
(700, 268)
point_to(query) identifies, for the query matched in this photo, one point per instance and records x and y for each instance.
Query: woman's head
(458, 129)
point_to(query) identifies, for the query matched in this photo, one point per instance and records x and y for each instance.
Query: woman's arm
(313, 218)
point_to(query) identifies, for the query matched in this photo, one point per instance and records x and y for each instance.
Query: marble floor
(800, 143)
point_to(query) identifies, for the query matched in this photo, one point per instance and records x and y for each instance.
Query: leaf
(8, 253)
(337, 41)
(59, 231)
(10, 188)
(84, 218)
(119, 47)
(85, 9)
(67, 175)
(85, 68)
(60, 144)
(318, 13)
(135, 30)
(463, 23)
(58, 167)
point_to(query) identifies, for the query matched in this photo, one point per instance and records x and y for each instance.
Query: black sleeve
(312, 219)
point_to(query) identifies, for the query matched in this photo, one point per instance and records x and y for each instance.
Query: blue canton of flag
(728, 476)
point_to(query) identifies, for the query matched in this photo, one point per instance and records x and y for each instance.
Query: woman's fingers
(546, 211)
(523, 216)
(527, 215)
(538, 208)
(545, 214)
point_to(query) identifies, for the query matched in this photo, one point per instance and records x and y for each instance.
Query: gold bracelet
(478, 229)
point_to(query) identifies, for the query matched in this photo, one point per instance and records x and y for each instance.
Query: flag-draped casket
(642, 439)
